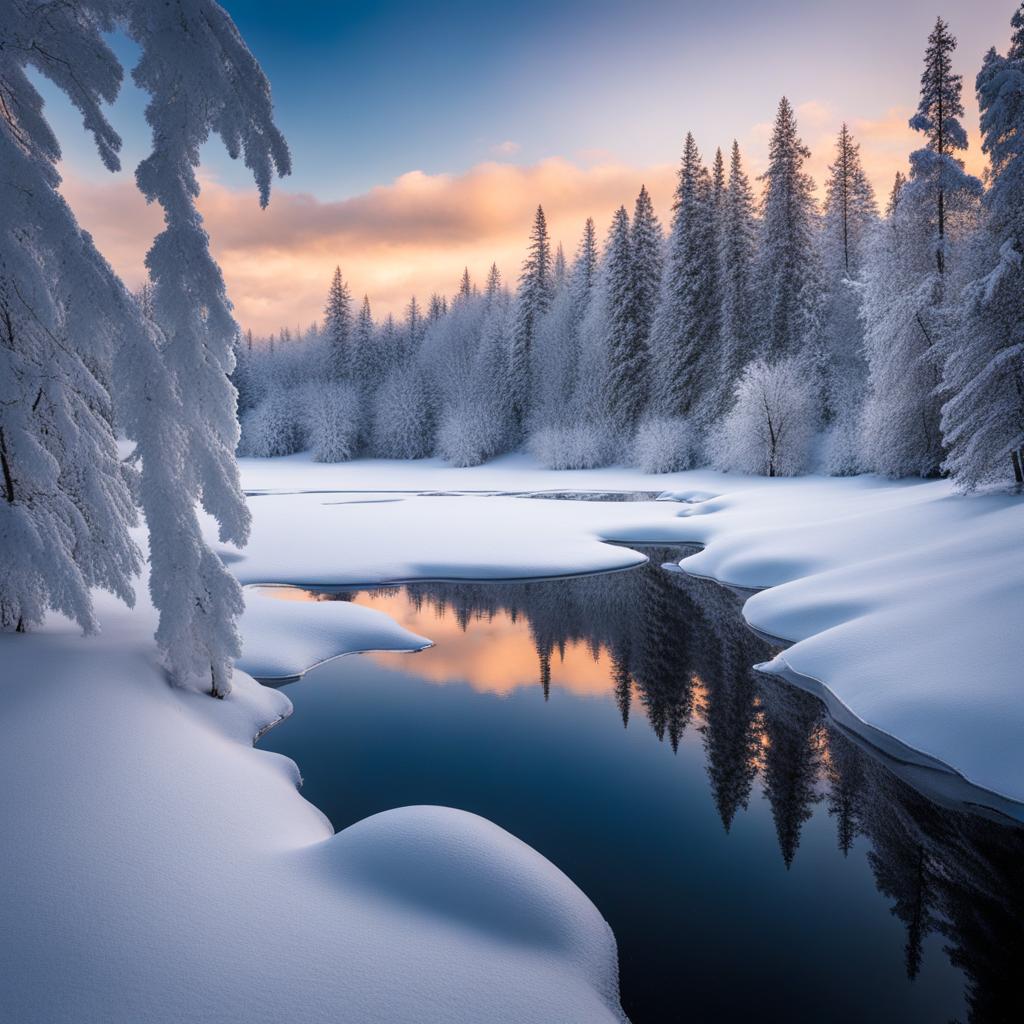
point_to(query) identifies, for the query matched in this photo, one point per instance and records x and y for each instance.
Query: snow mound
(159, 868)
(283, 639)
(903, 603)
(314, 540)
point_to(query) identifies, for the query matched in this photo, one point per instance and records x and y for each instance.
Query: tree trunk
(1018, 468)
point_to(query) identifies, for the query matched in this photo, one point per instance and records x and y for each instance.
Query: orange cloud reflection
(495, 655)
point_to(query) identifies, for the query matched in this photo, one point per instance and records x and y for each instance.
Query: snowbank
(903, 600)
(159, 868)
(282, 639)
(904, 603)
(346, 539)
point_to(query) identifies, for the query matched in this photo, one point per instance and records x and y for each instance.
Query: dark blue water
(753, 861)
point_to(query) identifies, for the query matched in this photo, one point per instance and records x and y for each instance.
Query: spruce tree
(983, 416)
(737, 248)
(626, 352)
(787, 272)
(646, 244)
(938, 114)
(338, 329)
(532, 301)
(849, 216)
(681, 366)
(493, 287)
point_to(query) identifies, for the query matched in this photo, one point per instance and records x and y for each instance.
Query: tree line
(771, 334)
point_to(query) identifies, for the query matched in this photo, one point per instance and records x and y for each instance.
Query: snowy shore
(901, 598)
(157, 867)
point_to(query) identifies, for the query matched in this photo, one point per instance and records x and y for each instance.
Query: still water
(753, 860)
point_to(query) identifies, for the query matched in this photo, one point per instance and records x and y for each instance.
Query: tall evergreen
(849, 216)
(338, 328)
(737, 249)
(532, 301)
(682, 366)
(938, 114)
(787, 272)
(647, 245)
(493, 286)
(983, 417)
(626, 356)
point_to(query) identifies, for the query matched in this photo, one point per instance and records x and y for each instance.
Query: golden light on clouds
(414, 235)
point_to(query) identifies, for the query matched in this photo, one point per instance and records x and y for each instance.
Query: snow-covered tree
(772, 425)
(65, 492)
(532, 301)
(983, 416)
(333, 425)
(201, 80)
(788, 282)
(850, 214)
(616, 300)
(682, 364)
(557, 348)
(911, 275)
(65, 505)
(338, 329)
(647, 253)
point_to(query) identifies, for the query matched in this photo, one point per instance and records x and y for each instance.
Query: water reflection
(669, 655)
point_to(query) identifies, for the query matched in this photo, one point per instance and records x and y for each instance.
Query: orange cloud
(414, 235)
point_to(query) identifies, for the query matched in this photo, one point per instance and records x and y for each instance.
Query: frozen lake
(751, 858)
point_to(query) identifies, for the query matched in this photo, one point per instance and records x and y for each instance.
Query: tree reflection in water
(676, 646)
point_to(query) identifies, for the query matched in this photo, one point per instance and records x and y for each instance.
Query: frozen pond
(753, 861)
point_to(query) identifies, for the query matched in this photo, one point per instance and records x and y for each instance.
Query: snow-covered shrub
(577, 446)
(277, 426)
(772, 426)
(664, 444)
(333, 422)
(842, 445)
(470, 434)
(402, 419)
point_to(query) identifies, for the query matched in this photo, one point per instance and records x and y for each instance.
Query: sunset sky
(424, 135)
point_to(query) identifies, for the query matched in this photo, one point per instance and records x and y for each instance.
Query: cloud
(415, 234)
(506, 148)
(412, 236)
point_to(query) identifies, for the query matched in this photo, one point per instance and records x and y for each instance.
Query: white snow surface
(283, 639)
(159, 868)
(902, 599)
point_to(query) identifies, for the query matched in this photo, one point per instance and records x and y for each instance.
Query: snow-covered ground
(159, 868)
(902, 599)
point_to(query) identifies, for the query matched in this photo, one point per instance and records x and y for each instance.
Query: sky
(424, 135)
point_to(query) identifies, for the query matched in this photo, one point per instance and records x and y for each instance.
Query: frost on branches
(67, 509)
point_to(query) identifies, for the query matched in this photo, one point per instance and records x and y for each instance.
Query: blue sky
(423, 136)
(368, 91)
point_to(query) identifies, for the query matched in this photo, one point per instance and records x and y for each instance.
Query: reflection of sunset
(497, 655)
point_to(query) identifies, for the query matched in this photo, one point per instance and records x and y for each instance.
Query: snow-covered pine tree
(683, 367)
(493, 286)
(786, 269)
(737, 249)
(627, 356)
(437, 308)
(65, 505)
(983, 416)
(338, 330)
(558, 338)
(201, 80)
(936, 167)
(558, 269)
(647, 252)
(465, 284)
(850, 214)
(911, 276)
(532, 301)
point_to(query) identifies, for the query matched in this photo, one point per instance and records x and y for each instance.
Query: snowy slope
(158, 868)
